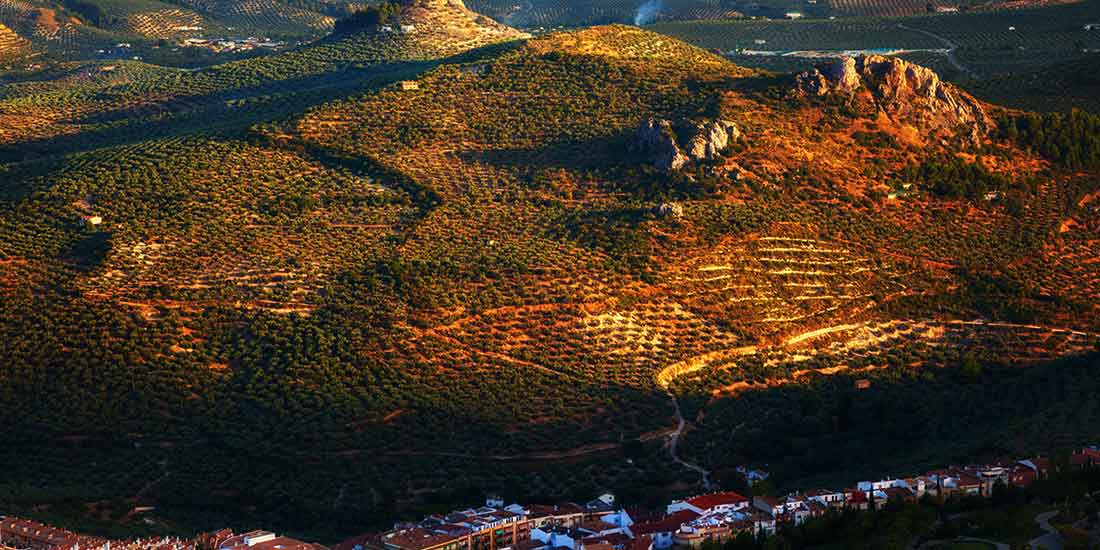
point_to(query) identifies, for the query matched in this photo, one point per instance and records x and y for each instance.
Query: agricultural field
(385, 273)
(994, 53)
(59, 31)
(533, 14)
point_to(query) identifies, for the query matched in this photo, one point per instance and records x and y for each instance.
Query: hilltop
(391, 269)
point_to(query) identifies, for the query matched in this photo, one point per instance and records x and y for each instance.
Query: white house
(619, 519)
(727, 501)
(828, 497)
(554, 537)
(661, 531)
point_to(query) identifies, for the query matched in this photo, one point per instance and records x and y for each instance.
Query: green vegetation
(1072, 140)
(367, 19)
(954, 178)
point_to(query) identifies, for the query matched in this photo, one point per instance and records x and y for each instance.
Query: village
(602, 523)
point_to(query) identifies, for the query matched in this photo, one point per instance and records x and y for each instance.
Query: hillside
(69, 30)
(11, 44)
(411, 267)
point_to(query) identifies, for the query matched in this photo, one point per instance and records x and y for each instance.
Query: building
(1021, 476)
(407, 85)
(717, 527)
(969, 484)
(25, 533)
(856, 499)
(599, 506)
(1040, 465)
(710, 503)
(553, 536)
(769, 505)
(899, 494)
(660, 531)
(827, 497)
(265, 540)
(483, 528)
(762, 523)
(751, 475)
(563, 515)
(1086, 457)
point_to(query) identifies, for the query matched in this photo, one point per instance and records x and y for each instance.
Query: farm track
(674, 440)
(951, 49)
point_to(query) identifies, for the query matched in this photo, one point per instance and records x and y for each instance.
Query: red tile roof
(364, 540)
(614, 539)
(706, 502)
(666, 524)
(543, 510)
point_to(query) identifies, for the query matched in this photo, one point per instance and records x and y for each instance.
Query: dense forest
(1070, 139)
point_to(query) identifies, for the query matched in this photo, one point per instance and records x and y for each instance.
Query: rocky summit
(904, 91)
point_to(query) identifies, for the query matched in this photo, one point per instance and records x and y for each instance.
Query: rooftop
(706, 502)
(416, 538)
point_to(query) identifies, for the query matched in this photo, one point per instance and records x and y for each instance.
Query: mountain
(391, 270)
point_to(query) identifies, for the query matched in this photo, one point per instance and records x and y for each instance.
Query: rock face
(658, 141)
(902, 90)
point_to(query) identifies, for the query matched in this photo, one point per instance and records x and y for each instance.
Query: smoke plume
(647, 12)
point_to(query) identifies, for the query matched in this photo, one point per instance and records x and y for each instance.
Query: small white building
(554, 537)
(710, 503)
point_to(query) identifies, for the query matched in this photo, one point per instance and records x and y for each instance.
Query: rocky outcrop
(902, 90)
(656, 140)
(659, 141)
(671, 210)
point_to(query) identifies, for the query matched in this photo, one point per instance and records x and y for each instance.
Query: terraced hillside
(11, 44)
(389, 271)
